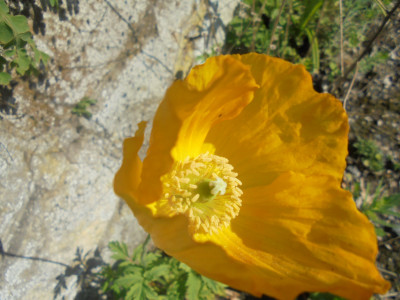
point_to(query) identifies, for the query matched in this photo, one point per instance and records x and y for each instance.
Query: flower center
(205, 189)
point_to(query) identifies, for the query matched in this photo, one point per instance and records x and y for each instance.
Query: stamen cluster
(205, 189)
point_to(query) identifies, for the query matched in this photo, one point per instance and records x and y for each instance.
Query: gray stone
(56, 168)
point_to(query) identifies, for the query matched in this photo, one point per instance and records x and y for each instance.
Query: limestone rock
(57, 168)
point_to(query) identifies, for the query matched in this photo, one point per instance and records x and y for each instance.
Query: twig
(389, 241)
(381, 6)
(275, 25)
(341, 36)
(387, 272)
(389, 295)
(350, 87)
(366, 49)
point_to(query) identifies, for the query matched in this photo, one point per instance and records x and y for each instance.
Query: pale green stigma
(218, 186)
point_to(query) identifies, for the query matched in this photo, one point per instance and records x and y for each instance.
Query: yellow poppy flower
(242, 182)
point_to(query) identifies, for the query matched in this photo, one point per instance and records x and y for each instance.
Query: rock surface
(57, 168)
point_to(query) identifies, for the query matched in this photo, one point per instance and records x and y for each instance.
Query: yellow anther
(184, 180)
(195, 198)
(204, 189)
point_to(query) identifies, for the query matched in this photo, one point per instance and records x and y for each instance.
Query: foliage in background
(214, 51)
(371, 156)
(81, 107)
(253, 26)
(377, 206)
(306, 32)
(17, 48)
(86, 270)
(153, 275)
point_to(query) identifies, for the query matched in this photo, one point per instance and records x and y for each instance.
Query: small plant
(15, 37)
(214, 51)
(84, 272)
(80, 109)
(376, 206)
(261, 27)
(306, 32)
(154, 275)
(371, 156)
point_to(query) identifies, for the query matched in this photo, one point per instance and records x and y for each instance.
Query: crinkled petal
(304, 234)
(296, 235)
(208, 258)
(127, 179)
(287, 127)
(213, 92)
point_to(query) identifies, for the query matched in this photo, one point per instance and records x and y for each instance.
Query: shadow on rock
(86, 268)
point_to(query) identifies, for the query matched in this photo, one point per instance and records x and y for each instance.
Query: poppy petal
(287, 127)
(127, 179)
(304, 234)
(213, 92)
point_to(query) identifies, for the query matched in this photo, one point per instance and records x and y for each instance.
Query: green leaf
(22, 61)
(10, 52)
(156, 272)
(137, 252)
(128, 280)
(120, 250)
(149, 293)
(87, 101)
(5, 78)
(41, 56)
(214, 286)
(6, 33)
(136, 292)
(193, 285)
(54, 3)
(130, 267)
(19, 24)
(380, 232)
(314, 48)
(391, 201)
(176, 290)
(184, 267)
(27, 37)
(3, 7)
(151, 258)
(311, 8)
